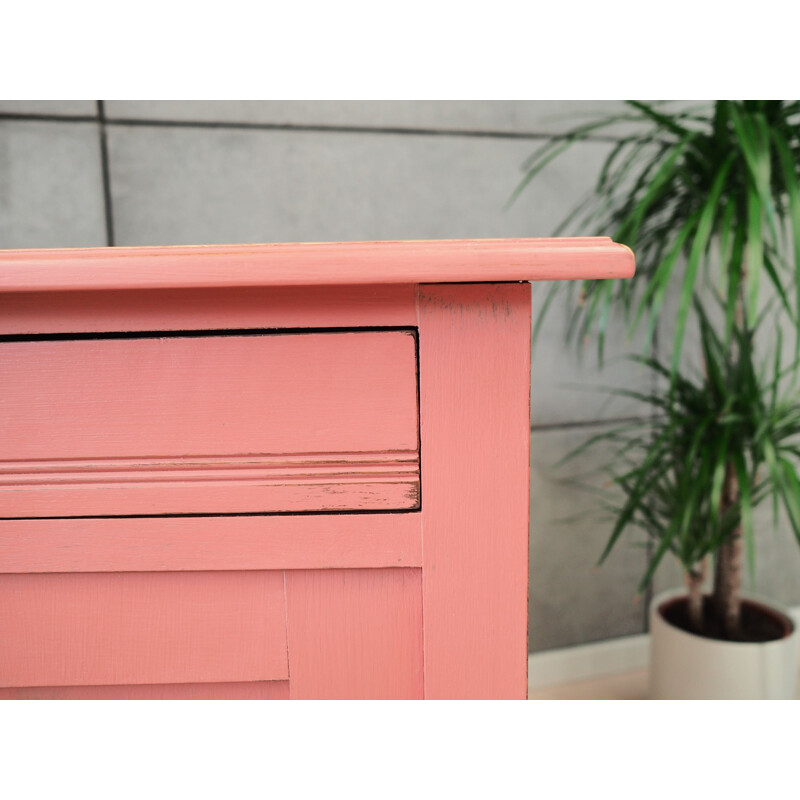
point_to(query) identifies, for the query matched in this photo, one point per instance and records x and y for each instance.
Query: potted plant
(729, 424)
(708, 199)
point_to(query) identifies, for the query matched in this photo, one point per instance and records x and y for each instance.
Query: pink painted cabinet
(270, 471)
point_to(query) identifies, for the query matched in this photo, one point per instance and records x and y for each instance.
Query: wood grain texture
(131, 628)
(355, 634)
(215, 424)
(211, 543)
(261, 690)
(206, 309)
(474, 406)
(307, 264)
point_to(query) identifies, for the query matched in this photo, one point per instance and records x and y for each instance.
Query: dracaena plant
(730, 424)
(708, 198)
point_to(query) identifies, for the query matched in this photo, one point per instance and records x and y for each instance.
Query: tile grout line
(108, 203)
(590, 423)
(298, 127)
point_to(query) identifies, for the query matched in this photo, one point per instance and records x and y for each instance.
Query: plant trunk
(728, 566)
(695, 579)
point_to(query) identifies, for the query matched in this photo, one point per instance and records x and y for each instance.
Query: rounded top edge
(309, 263)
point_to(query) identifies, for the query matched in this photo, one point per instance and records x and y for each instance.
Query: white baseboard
(587, 661)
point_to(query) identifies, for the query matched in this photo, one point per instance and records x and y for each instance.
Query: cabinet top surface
(317, 263)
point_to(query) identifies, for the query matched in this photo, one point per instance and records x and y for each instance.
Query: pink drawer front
(208, 423)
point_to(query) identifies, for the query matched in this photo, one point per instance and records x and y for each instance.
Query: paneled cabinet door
(180, 503)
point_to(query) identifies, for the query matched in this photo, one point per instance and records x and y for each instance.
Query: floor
(621, 686)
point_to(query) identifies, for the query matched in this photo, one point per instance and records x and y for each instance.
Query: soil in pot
(759, 623)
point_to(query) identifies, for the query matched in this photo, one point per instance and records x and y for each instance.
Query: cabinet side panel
(475, 433)
(354, 634)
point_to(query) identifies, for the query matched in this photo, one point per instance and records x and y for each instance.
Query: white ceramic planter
(684, 666)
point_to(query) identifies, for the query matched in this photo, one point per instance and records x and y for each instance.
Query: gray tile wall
(50, 184)
(260, 171)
